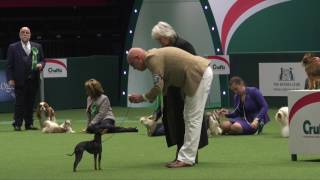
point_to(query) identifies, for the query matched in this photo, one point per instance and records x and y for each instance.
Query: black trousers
(109, 125)
(24, 103)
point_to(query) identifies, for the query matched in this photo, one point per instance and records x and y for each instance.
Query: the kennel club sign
(275, 79)
(220, 64)
(55, 68)
(304, 121)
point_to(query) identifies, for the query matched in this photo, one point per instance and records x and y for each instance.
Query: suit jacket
(103, 109)
(171, 66)
(19, 63)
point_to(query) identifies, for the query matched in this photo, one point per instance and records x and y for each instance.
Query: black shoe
(196, 160)
(260, 127)
(31, 128)
(15, 127)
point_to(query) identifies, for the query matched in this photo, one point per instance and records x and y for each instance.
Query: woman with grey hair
(167, 36)
(173, 126)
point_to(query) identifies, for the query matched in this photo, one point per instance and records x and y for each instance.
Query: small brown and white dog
(45, 113)
(282, 117)
(311, 64)
(213, 121)
(53, 127)
(48, 123)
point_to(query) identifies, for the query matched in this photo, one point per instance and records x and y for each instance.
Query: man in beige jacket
(172, 66)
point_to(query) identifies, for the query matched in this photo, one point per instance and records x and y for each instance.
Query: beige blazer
(171, 66)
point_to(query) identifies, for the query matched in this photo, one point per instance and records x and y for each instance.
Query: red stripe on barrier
(219, 58)
(54, 61)
(304, 101)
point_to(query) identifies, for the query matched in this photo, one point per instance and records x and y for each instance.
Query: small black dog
(93, 147)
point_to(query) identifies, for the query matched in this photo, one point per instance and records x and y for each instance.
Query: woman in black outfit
(172, 117)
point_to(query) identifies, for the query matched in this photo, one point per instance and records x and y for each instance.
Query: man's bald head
(136, 58)
(134, 52)
(25, 34)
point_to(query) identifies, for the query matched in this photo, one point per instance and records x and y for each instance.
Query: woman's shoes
(260, 127)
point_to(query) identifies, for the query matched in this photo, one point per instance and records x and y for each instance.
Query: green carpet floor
(34, 155)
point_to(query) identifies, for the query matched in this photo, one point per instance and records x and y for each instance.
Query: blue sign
(6, 91)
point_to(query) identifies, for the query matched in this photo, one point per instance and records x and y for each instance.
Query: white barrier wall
(304, 120)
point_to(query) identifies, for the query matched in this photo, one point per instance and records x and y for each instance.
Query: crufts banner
(275, 79)
(220, 64)
(55, 68)
(6, 92)
(304, 122)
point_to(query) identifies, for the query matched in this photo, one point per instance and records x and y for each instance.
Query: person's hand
(39, 67)
(136, 98)
(84, 130)
(255, 123)
(11, 83)
(223, 111)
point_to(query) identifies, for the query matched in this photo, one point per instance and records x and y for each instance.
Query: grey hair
(163, 29)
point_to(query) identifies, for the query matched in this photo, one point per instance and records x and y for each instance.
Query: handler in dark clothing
(172, 118)
(25, 61)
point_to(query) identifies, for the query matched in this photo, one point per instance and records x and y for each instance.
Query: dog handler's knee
(236, 128)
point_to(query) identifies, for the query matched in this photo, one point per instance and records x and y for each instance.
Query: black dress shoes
(16, 128)
(31, 128)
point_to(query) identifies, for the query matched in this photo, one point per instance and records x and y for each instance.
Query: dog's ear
(50, 112)
(151, 117)
(278, 116)
(307, 58)
(46, 105)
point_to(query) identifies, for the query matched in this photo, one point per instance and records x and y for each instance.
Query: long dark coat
(173, 105)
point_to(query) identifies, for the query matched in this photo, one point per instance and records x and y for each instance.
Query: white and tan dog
(282, 117)
(53, 127)
(213, 121)
(150, 123)
(48, 123)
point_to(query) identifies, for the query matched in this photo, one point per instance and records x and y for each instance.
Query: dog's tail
(70, 154)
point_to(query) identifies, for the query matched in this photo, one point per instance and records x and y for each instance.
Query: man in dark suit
(25, 61)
